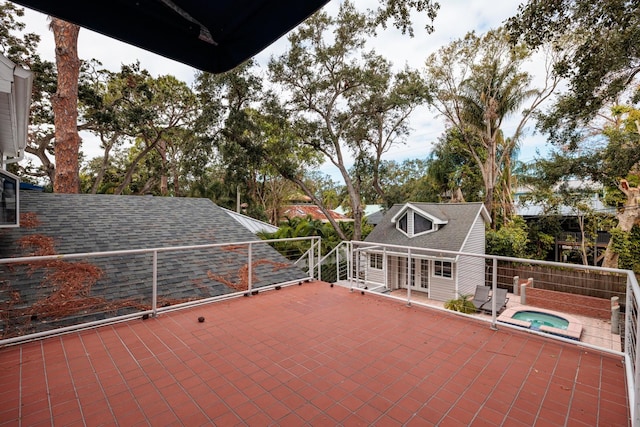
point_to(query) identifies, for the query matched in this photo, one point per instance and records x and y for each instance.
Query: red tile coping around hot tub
(573, 331)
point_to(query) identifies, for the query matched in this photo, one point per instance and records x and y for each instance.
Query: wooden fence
(579, 282)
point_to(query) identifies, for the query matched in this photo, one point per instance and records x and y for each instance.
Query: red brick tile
(338, 412)
(307, 412)
(278, 367)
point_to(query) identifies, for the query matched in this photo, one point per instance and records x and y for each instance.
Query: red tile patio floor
(309, 355)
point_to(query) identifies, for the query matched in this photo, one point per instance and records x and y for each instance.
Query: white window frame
(375, 260)
(439, 269)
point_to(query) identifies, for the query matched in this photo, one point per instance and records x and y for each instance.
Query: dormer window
(412, 221)
(403, 224)
(421, 224)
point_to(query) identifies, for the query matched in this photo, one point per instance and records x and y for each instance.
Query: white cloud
(455, 18)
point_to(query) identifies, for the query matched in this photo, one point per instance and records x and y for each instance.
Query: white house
(15, 101)
(417, 232)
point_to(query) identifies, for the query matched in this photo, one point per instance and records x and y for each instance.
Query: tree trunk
(41, 153)
(161, 148)
(626, 219)
(127, 177)
(103, 168)
(318, 203)
(65, 107)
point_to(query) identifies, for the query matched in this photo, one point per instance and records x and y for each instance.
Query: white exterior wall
(472, 269)
(443, 288)
(373, 275)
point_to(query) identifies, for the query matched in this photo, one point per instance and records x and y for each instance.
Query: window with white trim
(421, 224)
(424, 274)
(443, 269)
(375, 261)
(413, 224)
(403, 223)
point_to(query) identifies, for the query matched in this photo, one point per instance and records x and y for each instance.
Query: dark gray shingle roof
(82, 223)
(459, 216)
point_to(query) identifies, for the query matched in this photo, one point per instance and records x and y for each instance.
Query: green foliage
(629, 258)
(541, 236)
(510, 240)
(400, 11)
(627, 246)
(302, 227)
(451, 166)
(477, 82)
(600, 47)
(461, 304)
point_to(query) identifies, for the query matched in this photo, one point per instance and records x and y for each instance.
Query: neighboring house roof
(368, 209)
(81, 223)
(304, 210)
(253, 225)
(375, 218)
(590, 189)
(459, 218)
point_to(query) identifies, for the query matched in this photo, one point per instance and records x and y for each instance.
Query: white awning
(15, 101)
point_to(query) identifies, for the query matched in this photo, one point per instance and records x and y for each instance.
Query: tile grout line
(599, 392)
(73, 383)
(504, 373)
(573, 390)
(505, 417)
(95, 374)
(149, 380)
(99, 336)
(172, 376)
(20, 390)
(46, 382)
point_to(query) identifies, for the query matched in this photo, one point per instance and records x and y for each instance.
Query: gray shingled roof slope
(82, 223)
(450, 237)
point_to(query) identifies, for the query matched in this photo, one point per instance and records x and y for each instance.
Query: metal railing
(53, 294)
(603, 302)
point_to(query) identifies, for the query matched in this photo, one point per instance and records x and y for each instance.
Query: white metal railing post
(154, 285)
(357, 260)
(408, 276)
(494, 287)
(249, 268)
(384, 268)
(338, 262)
(319, 257)
(312, 267)
(350, 265)
(635, 402)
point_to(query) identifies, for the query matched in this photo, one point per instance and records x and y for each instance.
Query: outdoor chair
(501, 298)
(481, 296)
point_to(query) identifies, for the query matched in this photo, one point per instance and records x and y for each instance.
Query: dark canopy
(212, 36)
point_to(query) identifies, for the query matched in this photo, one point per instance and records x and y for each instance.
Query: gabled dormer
(412, 221)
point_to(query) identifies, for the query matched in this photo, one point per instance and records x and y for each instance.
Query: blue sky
(454, 20)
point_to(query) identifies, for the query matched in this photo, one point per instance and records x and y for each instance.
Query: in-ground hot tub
(540, 319)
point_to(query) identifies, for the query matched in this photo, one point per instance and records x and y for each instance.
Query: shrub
(462, 304)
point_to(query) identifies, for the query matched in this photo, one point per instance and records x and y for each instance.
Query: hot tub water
(538, 319)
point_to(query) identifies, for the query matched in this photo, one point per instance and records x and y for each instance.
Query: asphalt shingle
(83, 223)
(450, 237)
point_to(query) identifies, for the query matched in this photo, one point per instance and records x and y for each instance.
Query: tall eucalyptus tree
(477, 84)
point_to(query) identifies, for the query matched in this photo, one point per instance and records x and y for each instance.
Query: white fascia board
(433, 219)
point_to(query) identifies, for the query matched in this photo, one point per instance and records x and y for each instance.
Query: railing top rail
(498, 257)
(140, 251)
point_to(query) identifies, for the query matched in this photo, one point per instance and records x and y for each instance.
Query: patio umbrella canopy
(213, 36)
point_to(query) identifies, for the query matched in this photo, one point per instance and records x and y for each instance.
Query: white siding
(392, 266)
(374, 275)
(471, 269)
(443, 288)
